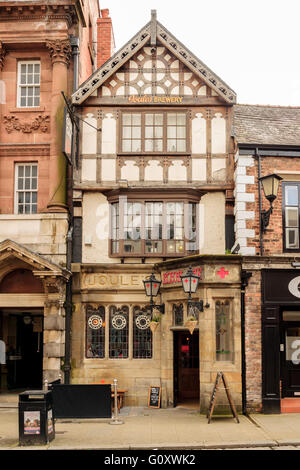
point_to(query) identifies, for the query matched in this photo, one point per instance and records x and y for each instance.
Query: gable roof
(151, 33)
(38, 263)
(266, 125)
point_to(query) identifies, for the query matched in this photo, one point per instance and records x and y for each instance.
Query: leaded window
(224, 350)
(142, 335)
(118, 332)
(178, 314)
(95, 332)
(154, 132)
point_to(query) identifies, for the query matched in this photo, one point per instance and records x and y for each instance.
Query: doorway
(290, 354)
(186, 368)
(23, 336)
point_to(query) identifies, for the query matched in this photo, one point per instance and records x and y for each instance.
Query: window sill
(153, 154)
(39, 109)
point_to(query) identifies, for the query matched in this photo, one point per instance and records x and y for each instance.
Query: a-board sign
(220, 376)
(154, 396)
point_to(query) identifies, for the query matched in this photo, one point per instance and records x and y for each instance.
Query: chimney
(105, 38)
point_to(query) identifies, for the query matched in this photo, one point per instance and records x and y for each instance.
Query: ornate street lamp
(152, 286)
(190, 283)
(270, 185)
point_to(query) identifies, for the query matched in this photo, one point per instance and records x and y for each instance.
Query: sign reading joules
(156, 99)
(174, 277)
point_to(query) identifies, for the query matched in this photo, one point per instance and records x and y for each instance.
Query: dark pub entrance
(186, 368)
(280, 338)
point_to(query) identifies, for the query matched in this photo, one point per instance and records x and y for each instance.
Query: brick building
(46, 48)
(268, 141)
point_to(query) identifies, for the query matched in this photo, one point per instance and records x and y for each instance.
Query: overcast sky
(252, 45)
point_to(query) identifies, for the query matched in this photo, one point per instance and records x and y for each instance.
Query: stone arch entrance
(32, 324)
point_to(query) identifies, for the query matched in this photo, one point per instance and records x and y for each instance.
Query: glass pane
(34, 197)
(142, 335)
(23, 68)
(149, 145)
(29, 68)
(292, 343)
(20, 183)
(136, 146)
(181, 132)
(127, 119)
(20, 198)
(149, 119)
(136, 132)
(95, 332)
(136, 119)
(171, 132)
(23, 102)
(291, 195)
(27, 208)
(292, 238)
(291, 217)
(158, 132)
(30, 91)
(118, 333)
(34, 170)
(30, 79)
(126, 146)
(36, 101)
(178, 314)
(126, 132)
(27, 197)
(171, 246)
(23, 79)
(20, 170)
(171, 119)
(181, 119)
(223, 332)
(180, 246)
(171, 146)
(37, 68)
(30, 102)
(153, 246)
(149, 132)
(23, 92)
(34, 209)
(158, 119)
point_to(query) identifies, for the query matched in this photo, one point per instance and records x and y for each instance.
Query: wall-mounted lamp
(270, 184)
(190, 283)
(152, 286)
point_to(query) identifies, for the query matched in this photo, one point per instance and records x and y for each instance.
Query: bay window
(153, 227)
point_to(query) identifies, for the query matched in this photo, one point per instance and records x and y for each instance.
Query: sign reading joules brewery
(155, 99)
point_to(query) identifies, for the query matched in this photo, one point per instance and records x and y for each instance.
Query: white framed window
(26, 187)
(28, 92)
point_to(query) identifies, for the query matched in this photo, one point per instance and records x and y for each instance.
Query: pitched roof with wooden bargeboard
(153, 34)
(266, 125)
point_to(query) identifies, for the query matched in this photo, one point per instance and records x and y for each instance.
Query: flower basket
(153, 326)
(191, 325)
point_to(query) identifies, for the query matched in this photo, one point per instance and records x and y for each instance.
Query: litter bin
(36, 421)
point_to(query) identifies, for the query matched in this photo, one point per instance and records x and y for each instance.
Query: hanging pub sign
(67, 135)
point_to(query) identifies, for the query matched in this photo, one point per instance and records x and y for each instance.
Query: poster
(32, 422)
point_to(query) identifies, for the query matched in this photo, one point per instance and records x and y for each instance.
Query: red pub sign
(174, 277)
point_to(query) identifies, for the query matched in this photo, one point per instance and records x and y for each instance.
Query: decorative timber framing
(144, 36)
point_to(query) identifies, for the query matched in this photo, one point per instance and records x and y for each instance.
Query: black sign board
(154, 396)
(220, 376)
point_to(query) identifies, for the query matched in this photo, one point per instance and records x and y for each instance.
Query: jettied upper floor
(154, 64)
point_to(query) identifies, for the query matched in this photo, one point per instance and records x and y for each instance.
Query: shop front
(280, 339)
(113, 337)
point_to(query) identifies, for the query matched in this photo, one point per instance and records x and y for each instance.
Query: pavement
(148, 428)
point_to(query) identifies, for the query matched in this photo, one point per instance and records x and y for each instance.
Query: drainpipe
(244, 277)
(260, 203)
(67, 368)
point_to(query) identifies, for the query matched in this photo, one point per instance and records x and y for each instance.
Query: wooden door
(188, 366)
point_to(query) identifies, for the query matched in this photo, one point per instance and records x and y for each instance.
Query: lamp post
(152, 286)
(270, 185)
(190, 283)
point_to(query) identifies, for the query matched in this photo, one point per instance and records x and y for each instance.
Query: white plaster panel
(109, 135)
(130, 171)
(177, 172)
(202, 91)
(198, 169)
(212, 241)
(89, 135)
(199, 134)
(218, 168)
(88, 170)
(108, 169)
(153, 172)
(218, 134)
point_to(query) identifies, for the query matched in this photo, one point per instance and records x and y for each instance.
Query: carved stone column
(60, 53)
(54, 327)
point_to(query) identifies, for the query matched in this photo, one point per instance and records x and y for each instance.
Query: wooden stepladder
(220, 376)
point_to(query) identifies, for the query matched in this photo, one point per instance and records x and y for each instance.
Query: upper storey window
(291, 205)
(26, 187)
(28, 95)
(154, 132)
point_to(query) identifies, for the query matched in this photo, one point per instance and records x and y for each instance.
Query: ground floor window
(127, 334)
(224, 347)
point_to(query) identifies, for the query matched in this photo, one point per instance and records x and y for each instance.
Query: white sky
(252, 45)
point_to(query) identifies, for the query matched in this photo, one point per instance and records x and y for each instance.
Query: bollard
(46, 384)
(115, 419)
